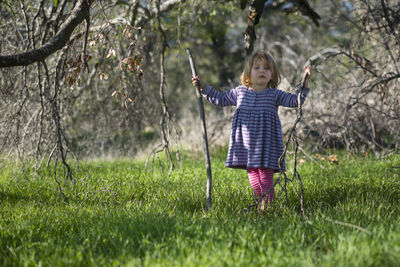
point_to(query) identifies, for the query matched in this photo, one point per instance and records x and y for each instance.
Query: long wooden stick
(204, 131)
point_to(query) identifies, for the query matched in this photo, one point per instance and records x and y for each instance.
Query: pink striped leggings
(262, 181)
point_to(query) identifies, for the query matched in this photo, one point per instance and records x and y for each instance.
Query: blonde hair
(245, 78)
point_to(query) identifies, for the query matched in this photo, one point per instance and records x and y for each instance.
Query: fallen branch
(348, 225)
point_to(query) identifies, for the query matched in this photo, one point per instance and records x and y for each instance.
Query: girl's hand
(197, 82)
(307, 74)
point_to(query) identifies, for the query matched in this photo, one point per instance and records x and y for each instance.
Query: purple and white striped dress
(256, 136)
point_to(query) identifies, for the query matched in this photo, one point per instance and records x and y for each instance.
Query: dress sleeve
(218, 98)
(290, 100)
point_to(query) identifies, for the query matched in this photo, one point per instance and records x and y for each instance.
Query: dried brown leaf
(92, 43)
(131, 68)
(127, 60)
(111, 53)
(70, 81)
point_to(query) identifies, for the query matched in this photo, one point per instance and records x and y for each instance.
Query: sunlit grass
(118, 214)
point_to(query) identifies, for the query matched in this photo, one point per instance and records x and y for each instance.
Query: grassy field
(119, 215)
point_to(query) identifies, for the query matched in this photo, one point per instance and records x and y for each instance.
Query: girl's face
(260, 75)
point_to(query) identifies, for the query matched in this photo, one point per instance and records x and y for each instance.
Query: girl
(256, 136)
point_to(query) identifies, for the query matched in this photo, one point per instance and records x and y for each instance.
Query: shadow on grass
(103, 235)
(116, 234)
(366, 192)
(48, 198)
(42, 197)
(13, 197)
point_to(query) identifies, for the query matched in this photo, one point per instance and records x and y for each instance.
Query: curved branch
(255, 11)
(78, 14)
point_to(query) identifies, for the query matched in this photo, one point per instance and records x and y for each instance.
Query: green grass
(119, 215)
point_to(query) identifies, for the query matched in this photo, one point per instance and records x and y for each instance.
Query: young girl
(256, 136)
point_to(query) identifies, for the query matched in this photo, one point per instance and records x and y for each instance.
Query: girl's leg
(267, 184)
(254, 178)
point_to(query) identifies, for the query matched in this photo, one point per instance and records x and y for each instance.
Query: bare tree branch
(256, 10)
(78, 14)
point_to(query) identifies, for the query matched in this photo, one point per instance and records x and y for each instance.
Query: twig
(348, 225)
(166, 118)
(65, 197)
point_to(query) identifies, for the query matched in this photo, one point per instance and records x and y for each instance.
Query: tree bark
(255, 11)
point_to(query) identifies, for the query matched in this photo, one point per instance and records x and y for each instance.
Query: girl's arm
(290, 100)
(216, 97)
(228, 98)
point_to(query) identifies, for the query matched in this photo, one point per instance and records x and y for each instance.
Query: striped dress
(256, 136)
